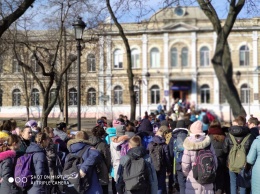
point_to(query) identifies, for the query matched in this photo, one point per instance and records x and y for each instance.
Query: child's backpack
(210, 116)
(124, 148)
(70, 173)
(204, 168)
(237, 155)
(24, 170)
(156, 154)
(178, 145)
(136, 174)
(146, 140)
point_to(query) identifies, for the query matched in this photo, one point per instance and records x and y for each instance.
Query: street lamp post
(79, 27)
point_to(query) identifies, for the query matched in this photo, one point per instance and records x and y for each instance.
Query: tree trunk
(129, 65)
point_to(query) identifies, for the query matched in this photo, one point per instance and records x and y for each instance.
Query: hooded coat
(253, 158)
(146, 126)
(40, 165)
(7, 164)
(135, 153)
(91, 158)
(188, 159)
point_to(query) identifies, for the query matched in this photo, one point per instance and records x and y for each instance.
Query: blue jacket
(91, 157)
(40, 165)
(111, 132)
(253, 158)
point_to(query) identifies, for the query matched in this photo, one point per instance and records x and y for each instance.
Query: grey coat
(7, 164)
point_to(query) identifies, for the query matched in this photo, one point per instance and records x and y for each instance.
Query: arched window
(118, 59)
(137, 92)
(245, 93)
(16, 66)
(155, 94)
(184, 57)
(52, 95)
(1, 97)
(204, 56)
(204, 94)
(118, 95)
(244, 56)
(73, 96)
(91, 96)
(35, 97)
(91, 63)
(135, 58)
(35, 67)
(174, 57)
(155, 58)
(16, 97)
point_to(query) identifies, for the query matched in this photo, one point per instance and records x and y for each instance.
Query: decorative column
(166, 69)
(108, 75)
(100, 71)
(144, 70)
(255, 68)
(194, 67)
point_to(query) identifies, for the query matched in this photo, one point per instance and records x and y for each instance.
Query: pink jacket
(190, 146)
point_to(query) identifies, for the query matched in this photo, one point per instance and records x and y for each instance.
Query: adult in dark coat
(161, 175)
(26, 135)
(7, 162)
(239, 132)
(91, 157)
(145, 127)
(217, 137)
(40, 165)
(100, 144)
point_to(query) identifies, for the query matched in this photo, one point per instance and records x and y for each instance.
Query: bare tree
(221, 60)
(11, 11)
(129, 65)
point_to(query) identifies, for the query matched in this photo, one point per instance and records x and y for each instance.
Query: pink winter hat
(196, 127)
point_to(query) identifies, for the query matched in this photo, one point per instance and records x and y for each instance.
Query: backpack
(156, 153)
(210, 116)
(204, 168)
(24, 170)
(146, 140)
(178, 145)
(136, 174)
(124, 148)
(70, 173)
(237, 155)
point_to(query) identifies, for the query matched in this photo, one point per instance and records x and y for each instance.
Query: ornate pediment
(180, 27)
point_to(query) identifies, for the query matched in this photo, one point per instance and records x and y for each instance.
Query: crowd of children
(195, 152)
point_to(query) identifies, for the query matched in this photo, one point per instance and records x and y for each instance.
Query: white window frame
(244, 93)
(91, 97)
(73, 93)
(35, 97)
(16, 94)
(155, 58)
(91, 63)
(204, 91)
(204, 56)
(135, 58)
(118, 59)
(118, 95)
(244, 56)
(174, 57)
(155, 94)
(184, 57)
